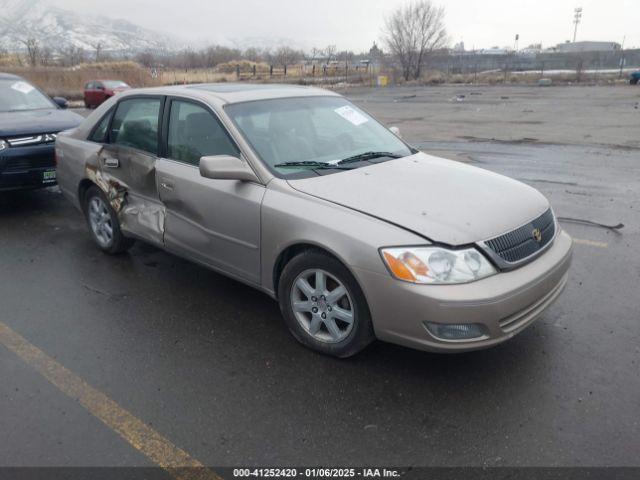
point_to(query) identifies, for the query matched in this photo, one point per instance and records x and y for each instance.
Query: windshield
(114, 84)
(16, 95)
(293, 135)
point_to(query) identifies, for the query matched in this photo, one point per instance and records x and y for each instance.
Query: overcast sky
(355, 24)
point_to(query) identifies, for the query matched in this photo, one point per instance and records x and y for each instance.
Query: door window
(194, 133)
(100, 130)
(135, 124)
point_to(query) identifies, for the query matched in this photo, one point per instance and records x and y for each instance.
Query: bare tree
(253, 54)
(287, 56)
(45, 56)
(146, 58)
(71, 56)
(33, 48)
(330, 52)
(412, 32)
(98, 48)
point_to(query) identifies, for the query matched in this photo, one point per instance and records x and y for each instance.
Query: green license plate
(49, 177)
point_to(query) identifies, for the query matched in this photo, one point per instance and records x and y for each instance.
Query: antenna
(577, 16)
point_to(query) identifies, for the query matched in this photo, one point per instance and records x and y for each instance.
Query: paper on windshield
(351, 115)
(22, 87)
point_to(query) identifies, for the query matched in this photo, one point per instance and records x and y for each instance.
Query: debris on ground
(614, 228)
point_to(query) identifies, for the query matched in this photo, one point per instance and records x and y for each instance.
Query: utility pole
(622, 59)
(577, 16)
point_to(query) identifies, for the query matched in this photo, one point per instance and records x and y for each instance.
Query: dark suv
(29, 123)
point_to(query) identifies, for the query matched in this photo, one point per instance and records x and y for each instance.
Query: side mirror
(61, 102)
(226, 167)
(395, 131)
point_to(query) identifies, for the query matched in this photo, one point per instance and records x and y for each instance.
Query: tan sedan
(301, 194)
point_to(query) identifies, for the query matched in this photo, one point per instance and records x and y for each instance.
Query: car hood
(445, 201)
(31, 122)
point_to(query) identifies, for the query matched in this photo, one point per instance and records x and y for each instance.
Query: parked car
(29, 123)
(635, 78)
(301, 194)
(97, 91)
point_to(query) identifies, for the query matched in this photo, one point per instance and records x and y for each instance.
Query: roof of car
(9, 76)
(240, 92)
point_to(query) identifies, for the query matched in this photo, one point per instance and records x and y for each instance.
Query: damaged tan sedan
(301, 194)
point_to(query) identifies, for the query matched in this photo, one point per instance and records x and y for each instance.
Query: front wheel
(324, 306)
(634, 81)
(103, 223)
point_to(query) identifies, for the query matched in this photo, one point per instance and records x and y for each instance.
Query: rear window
(114, 84)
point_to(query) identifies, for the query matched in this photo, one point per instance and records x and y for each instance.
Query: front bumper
(27, 167)
(503, 304)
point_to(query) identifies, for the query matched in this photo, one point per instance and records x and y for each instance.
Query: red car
(97, 91)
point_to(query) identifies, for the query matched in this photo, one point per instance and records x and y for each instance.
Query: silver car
(301, 194)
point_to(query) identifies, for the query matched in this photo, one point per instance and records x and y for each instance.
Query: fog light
(456, 331)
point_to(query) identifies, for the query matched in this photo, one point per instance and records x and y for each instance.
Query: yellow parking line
(140, 436)
(590, 243)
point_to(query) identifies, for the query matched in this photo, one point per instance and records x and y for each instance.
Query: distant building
(575, 47)
(495, 51)
(533, 49)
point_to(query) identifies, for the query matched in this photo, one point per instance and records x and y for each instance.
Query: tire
(346, 327)
(102, 219)
(633, 81)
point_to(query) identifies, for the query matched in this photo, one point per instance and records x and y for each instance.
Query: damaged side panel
(128, 179)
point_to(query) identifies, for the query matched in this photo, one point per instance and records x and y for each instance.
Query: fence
(301, 73)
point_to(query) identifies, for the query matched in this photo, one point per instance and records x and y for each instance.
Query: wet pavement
(208, 363)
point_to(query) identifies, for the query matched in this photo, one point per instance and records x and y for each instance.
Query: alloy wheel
(322, 305)
(101, 222)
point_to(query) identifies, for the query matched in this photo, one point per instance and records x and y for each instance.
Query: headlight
(436, 265)
(3, 145)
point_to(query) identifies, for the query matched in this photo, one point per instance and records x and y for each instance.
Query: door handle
(166, 184)
(111, 162)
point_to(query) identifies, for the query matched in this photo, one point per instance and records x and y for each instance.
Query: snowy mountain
(61, 29)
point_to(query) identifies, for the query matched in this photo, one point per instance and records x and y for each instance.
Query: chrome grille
(32, 140)
(525, 241)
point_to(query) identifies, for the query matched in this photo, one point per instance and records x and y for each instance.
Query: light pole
(577, 15)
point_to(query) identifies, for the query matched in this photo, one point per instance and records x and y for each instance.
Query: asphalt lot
(208, 363)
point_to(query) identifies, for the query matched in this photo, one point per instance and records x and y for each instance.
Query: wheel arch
(84, 185)
(296, 248)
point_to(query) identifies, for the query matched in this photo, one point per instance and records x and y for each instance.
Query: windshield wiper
(367, 156)
(311, 164)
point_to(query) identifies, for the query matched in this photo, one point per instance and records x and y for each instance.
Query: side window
(100, 130)
(194, 133)
(135, 124)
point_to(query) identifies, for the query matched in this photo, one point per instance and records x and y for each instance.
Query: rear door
(216, 222)
(127, 165)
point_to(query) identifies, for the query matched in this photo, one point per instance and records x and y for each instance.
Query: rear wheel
(324, 306)
(103, 223)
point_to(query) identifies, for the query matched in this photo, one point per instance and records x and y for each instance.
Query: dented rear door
(126, 167)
